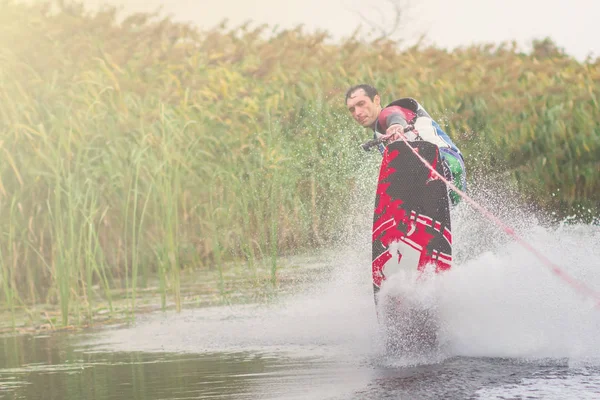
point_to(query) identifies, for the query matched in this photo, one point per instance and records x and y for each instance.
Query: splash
(502, 301)
(497, 300)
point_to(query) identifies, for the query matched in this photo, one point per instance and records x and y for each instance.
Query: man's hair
(369, 90)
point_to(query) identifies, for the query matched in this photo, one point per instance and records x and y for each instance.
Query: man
(364, 104)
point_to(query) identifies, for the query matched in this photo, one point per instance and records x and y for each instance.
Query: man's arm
(393, 120)
(395, 115)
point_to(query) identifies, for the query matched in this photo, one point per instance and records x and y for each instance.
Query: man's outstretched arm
(395, 115)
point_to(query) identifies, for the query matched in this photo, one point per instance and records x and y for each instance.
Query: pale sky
(573, 25)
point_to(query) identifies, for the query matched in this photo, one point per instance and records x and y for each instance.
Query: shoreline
(241, 286)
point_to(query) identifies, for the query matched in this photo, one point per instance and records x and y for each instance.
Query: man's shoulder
(411, 104)
(406, 102)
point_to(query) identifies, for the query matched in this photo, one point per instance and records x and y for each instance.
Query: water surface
(511, 330)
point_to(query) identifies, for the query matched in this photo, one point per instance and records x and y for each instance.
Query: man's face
(363, 109)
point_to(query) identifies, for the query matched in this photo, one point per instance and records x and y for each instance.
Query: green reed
(149, 147)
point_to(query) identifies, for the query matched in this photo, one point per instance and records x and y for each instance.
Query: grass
(149, 147)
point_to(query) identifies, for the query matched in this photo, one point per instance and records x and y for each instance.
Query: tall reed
(148, 146)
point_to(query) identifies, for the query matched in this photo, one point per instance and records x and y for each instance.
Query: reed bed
(147, 147)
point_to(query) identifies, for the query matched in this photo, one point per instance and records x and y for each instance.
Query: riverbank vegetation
(142, 148)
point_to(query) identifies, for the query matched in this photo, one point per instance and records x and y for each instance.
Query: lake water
(511, 330)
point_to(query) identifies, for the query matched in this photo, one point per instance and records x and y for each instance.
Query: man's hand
(393, 133)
